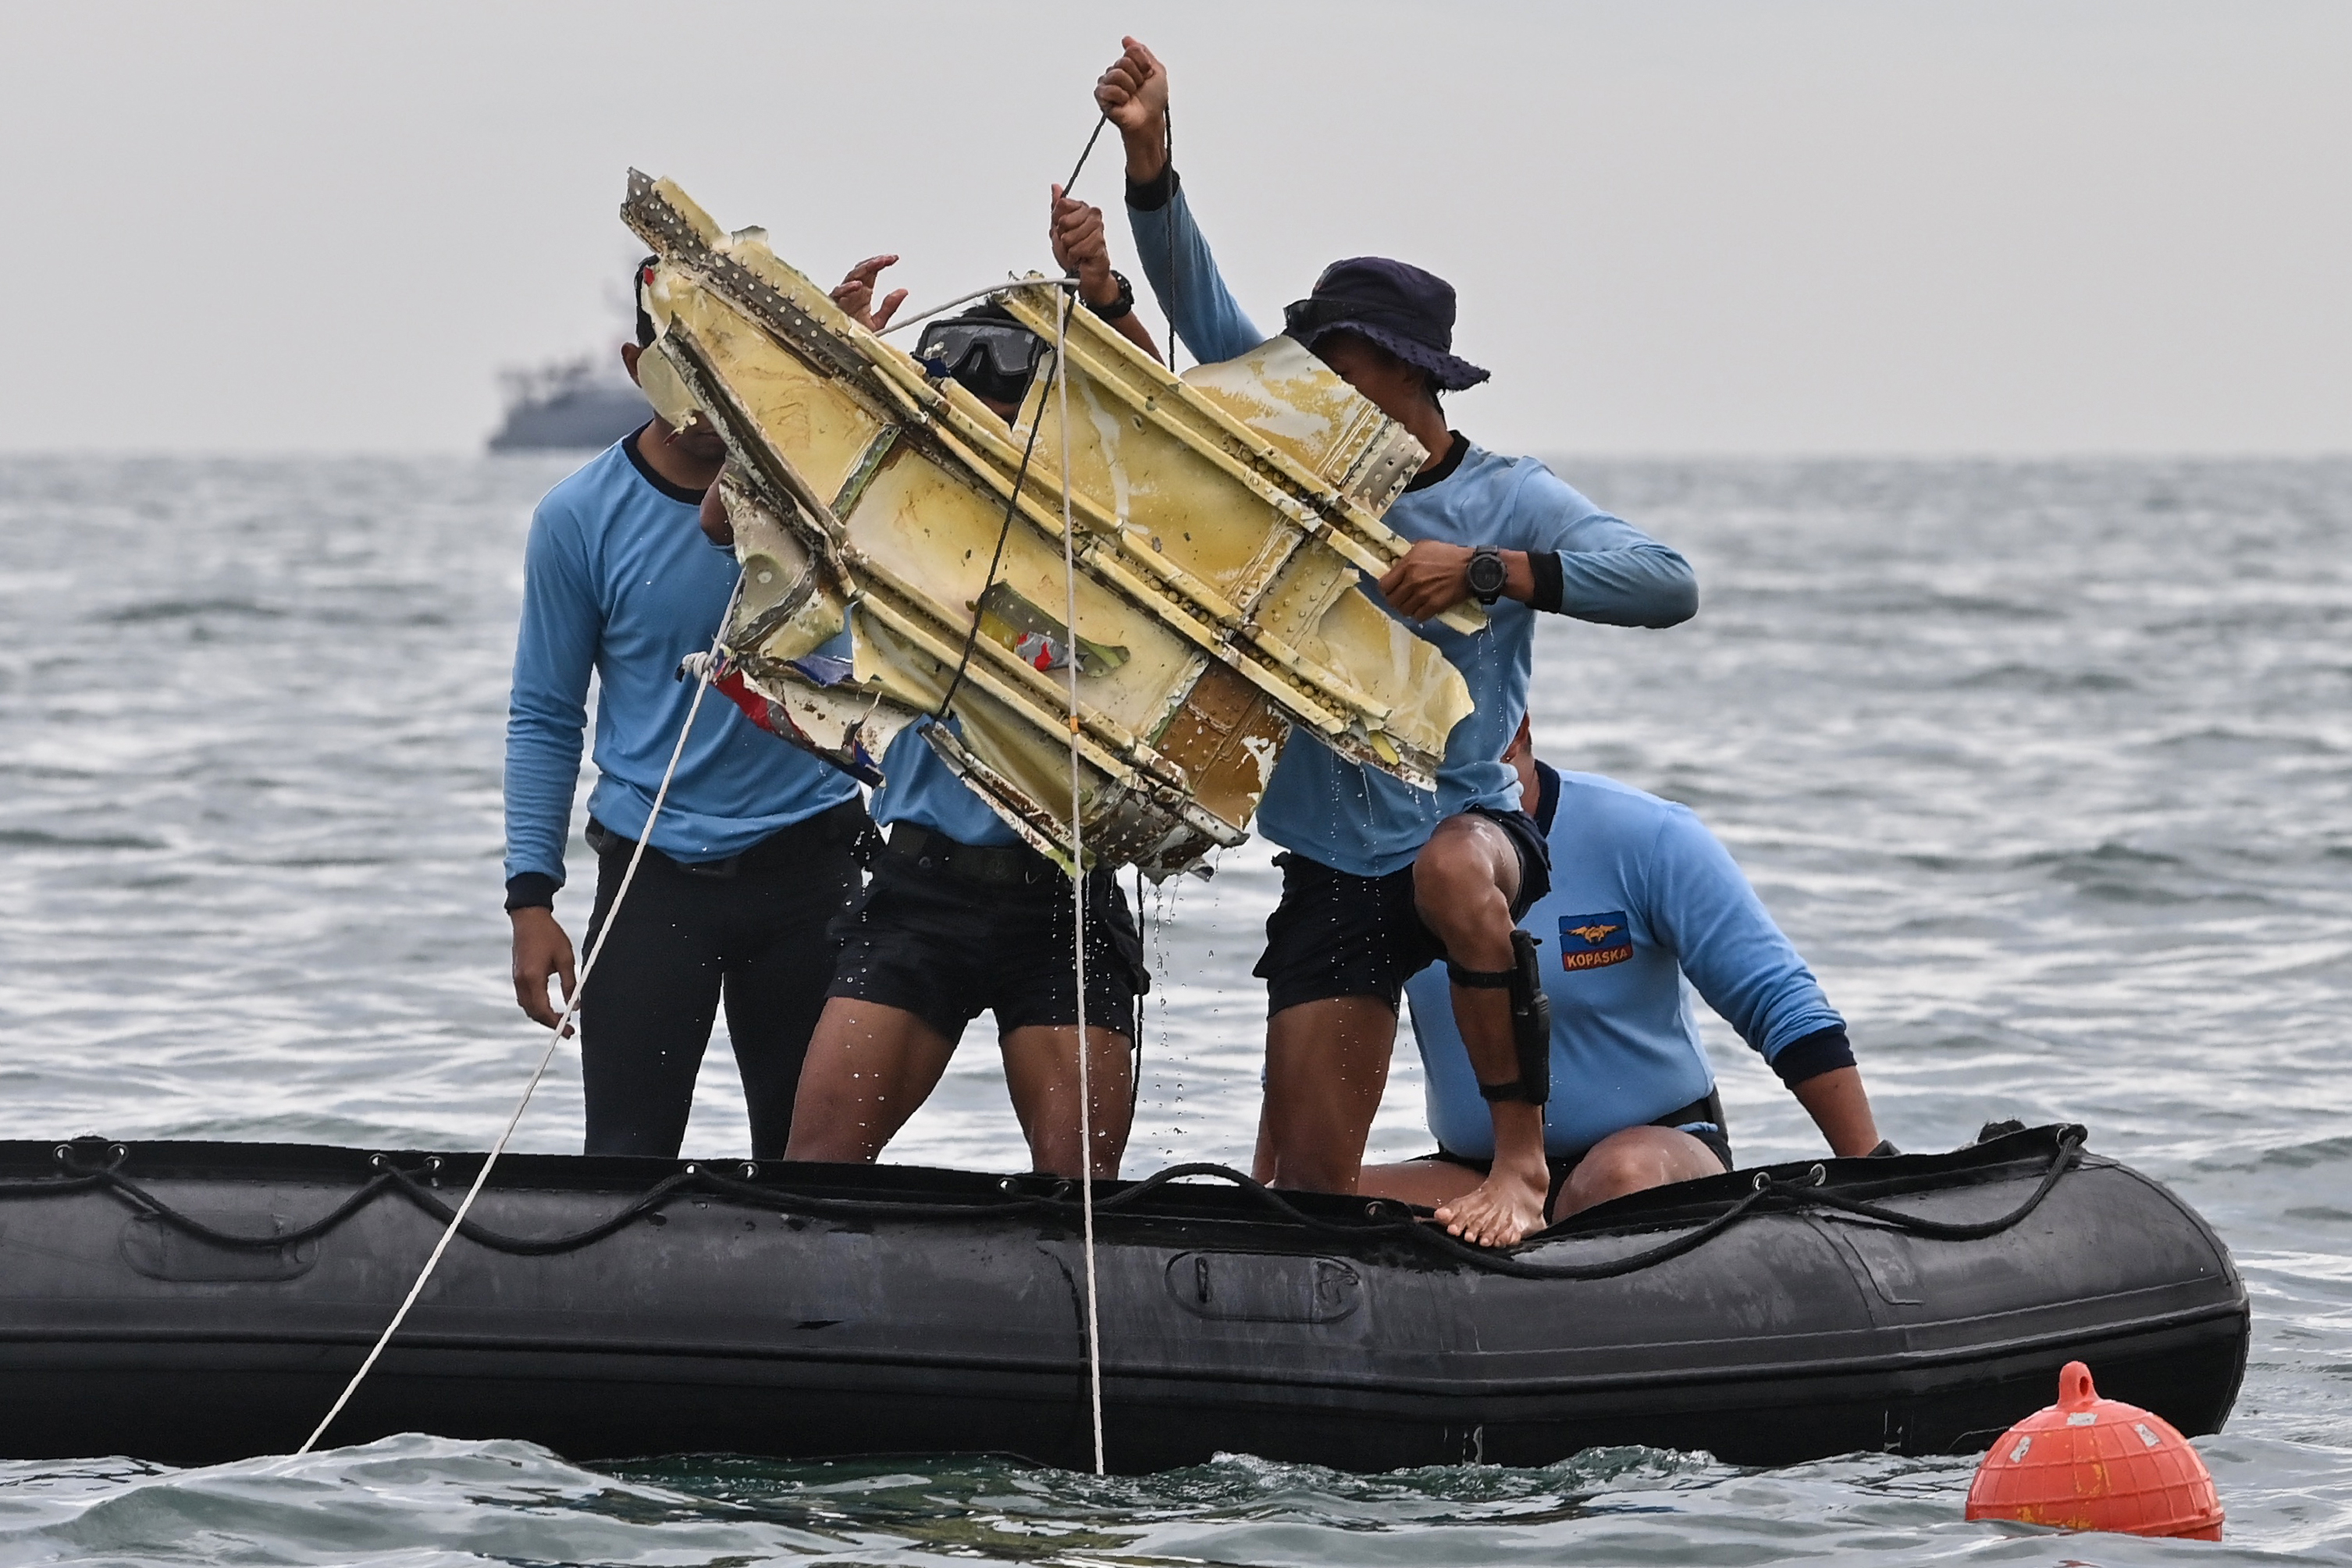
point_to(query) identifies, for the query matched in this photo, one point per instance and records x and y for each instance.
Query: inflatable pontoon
(199, 1302)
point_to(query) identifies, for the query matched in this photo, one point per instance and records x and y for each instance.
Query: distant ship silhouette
(579, 404)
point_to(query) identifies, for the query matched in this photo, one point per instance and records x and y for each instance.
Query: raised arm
(1083, 248)
(1171, 248)
(1133, 96)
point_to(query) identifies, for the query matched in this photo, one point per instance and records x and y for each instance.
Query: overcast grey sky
(1680, 226)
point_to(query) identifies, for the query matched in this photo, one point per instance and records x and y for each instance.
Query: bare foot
(1506, 1206)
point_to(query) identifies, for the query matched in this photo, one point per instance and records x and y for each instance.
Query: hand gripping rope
(555, 1037)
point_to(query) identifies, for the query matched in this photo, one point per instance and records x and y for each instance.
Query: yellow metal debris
(1221, 521)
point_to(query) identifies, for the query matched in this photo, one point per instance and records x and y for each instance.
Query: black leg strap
(1531, 1018)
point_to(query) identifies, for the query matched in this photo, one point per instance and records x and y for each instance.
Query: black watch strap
(1117, 307)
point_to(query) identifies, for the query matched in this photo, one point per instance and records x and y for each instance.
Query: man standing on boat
(1642, 895)
(1380, 878)
(755, 852)
(962, 916)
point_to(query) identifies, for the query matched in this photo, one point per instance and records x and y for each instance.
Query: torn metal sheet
(1221, 520)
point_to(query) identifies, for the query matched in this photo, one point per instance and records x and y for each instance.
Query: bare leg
(1263, 1167)
(1634, 1160)
(869, 1067)
(1463, 884)
(1327, 1063)
(1429, 1183)
(1041, 1068)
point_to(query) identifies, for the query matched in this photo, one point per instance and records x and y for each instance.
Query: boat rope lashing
(555, 1035)
(1766, 1194)
(1008, 1200)
(1078, 868)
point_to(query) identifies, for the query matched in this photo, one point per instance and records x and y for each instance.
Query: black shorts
(1702, 1119)
(1337, 934)
(749, 932)
(947, 946)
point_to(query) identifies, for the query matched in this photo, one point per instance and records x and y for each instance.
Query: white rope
(1006, 288)
(1078, 892)
(562, 1027)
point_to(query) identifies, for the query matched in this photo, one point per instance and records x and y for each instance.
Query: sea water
(2047, 767)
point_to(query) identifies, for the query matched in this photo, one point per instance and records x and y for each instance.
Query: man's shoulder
(588, 494)
(1524, 480)
(1591, 803)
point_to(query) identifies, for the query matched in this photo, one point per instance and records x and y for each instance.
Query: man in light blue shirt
(1641, 896)
(1378, 878)
(753, 854)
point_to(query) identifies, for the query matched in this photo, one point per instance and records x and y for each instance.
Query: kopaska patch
(1594, 941)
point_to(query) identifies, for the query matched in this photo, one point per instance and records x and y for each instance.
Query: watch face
(1486, 574)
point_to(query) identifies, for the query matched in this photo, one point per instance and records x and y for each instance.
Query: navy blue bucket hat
(1405, 310)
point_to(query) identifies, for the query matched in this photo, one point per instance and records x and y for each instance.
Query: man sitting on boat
(1642, 895)
(961, 916)
(1380, 878)
(753, 855)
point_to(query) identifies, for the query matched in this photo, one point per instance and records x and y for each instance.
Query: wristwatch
(1487, 574)
(1117, 307)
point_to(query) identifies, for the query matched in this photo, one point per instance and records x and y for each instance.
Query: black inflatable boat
(190, 1302)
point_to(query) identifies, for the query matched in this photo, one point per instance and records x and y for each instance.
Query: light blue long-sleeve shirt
(920, 789)
(618, 579)
(1335, 812)
(1642, 895)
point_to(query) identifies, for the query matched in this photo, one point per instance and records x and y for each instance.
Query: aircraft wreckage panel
(825, 427)
(1221, 523)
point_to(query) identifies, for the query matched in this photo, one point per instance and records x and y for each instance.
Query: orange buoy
(2088, 1463)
